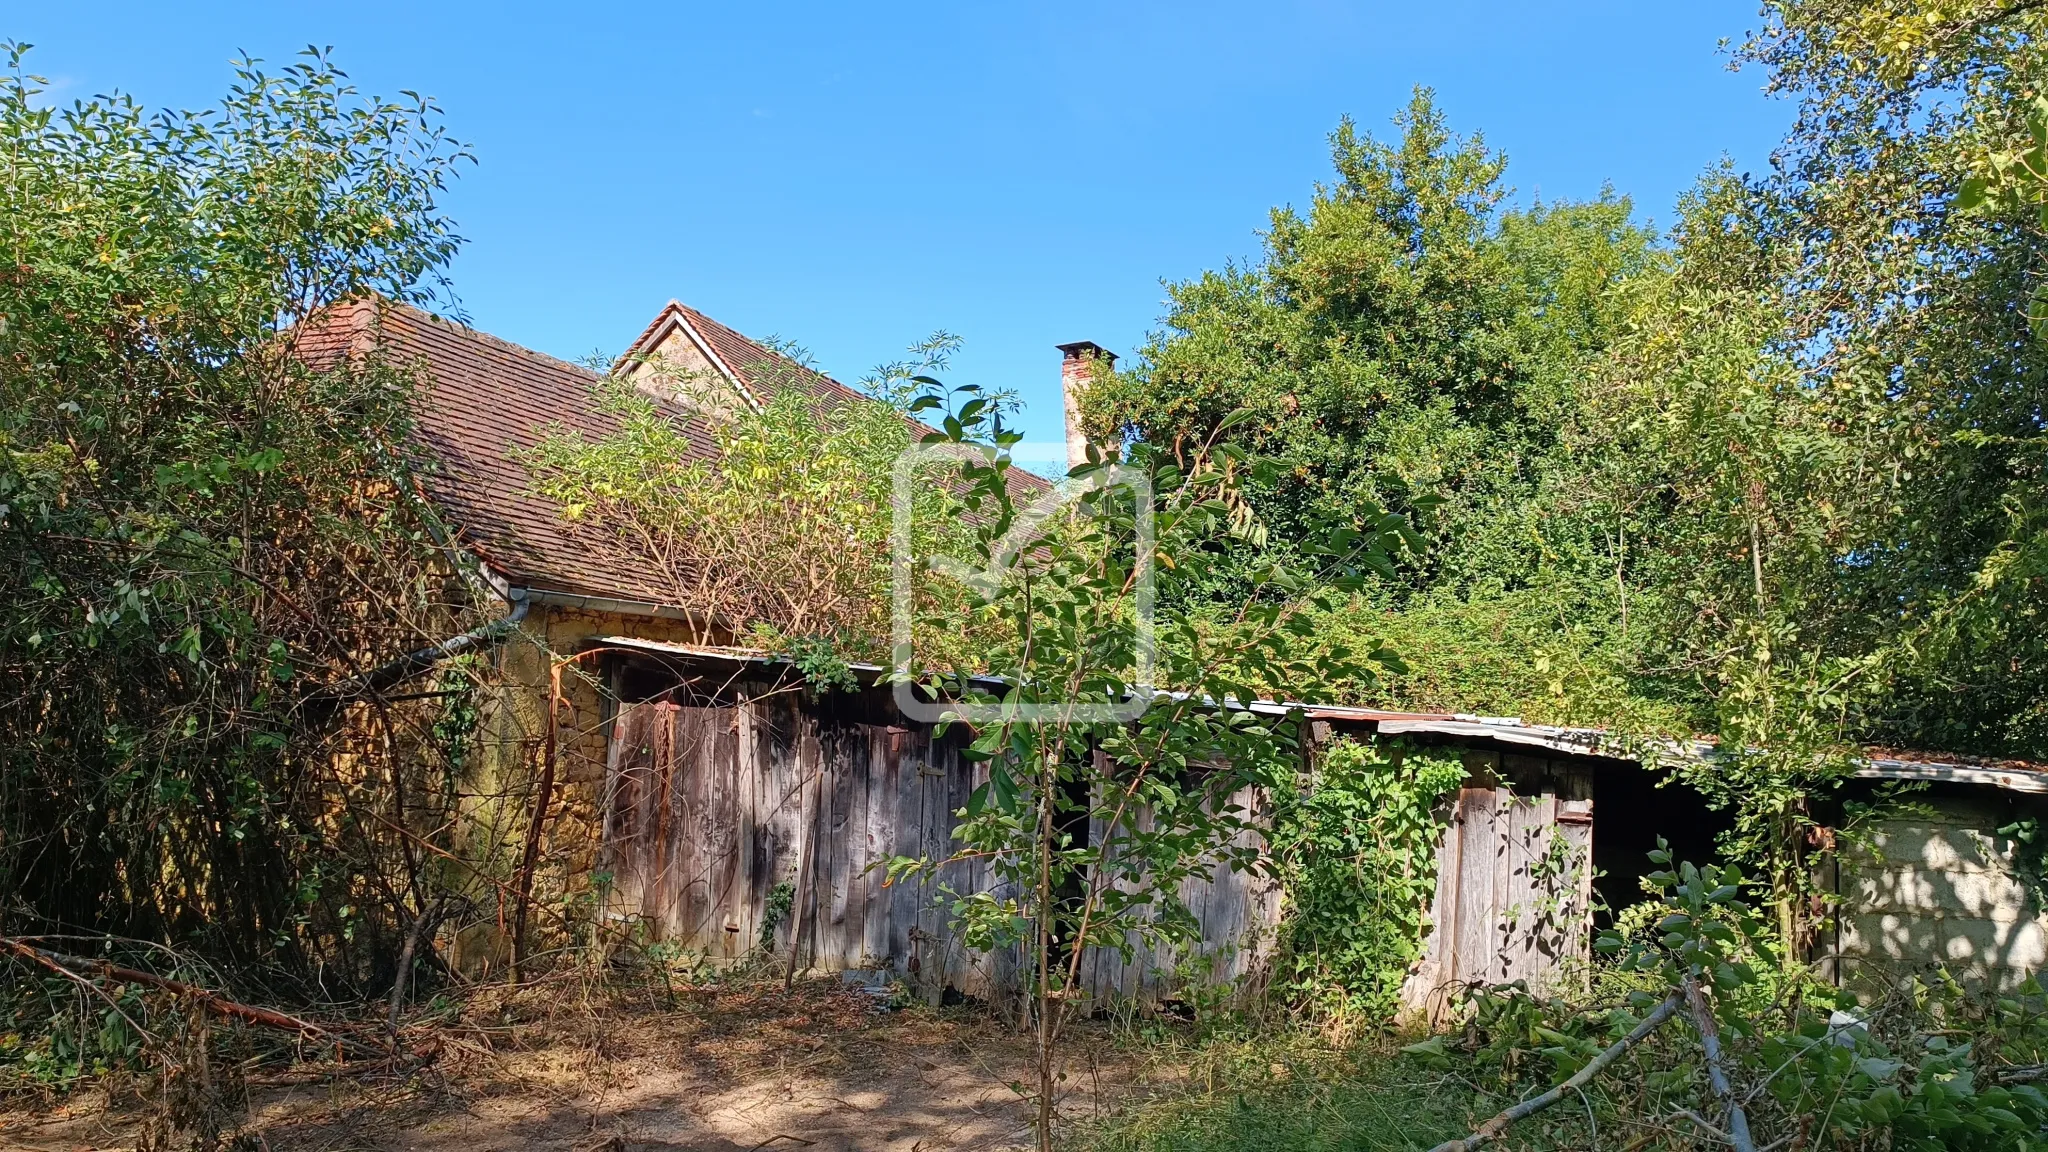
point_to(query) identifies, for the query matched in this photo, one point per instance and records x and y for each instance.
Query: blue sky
(853, 177)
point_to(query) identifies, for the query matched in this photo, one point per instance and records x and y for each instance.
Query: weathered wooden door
(676, 823)
(711, 808)
(1514, 887)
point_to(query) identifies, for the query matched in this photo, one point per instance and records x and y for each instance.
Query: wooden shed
(1515, 873)
(1946, 873)
(741, 811)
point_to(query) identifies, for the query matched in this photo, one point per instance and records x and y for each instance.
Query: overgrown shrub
(779, 528)
(1921, 1064)
(203, 534)
(1356, 850)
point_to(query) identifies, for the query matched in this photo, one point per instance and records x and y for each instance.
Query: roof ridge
(697, 317)
(846, 391)
(415, 313)
(647, 334)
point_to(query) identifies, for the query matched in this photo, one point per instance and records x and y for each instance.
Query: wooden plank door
(673, 824)
(1514, 895)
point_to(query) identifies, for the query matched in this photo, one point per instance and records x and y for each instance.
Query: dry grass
(735, 1064)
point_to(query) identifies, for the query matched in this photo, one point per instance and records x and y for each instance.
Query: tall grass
(1289, 1091)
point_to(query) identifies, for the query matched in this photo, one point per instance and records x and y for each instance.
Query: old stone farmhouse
(687, 795)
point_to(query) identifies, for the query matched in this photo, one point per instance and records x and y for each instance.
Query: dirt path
(817, 1070)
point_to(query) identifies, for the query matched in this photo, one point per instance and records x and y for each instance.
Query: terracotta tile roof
(483, 398)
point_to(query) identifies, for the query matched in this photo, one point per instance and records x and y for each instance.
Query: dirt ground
(819, 1069)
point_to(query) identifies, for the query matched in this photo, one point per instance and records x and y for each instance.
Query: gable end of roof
(672, 318)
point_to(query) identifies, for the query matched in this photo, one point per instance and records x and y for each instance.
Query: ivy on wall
(1357, 851)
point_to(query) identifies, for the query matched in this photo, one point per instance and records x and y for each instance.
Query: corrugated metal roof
(2012, 776)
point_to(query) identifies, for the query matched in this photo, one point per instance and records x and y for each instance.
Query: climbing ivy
(822, 662)
(1356, 850)
(454, 730)
(775, 912)
(2029, 857)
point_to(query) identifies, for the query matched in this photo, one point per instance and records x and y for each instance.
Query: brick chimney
(1077, 371)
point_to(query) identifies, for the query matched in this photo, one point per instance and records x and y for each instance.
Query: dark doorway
(1632, 807)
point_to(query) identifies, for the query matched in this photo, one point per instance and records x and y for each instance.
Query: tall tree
(1410, 344)
(1882, 287)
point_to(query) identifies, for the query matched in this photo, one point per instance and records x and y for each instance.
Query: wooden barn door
(709, 809)
(674, 835)
(1514, 888)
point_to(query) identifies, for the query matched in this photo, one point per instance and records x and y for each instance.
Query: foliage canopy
(203, 532)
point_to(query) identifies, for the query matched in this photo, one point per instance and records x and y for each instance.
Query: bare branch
(1497, 1127)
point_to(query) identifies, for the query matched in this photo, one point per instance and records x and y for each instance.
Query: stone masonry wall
(512, 749)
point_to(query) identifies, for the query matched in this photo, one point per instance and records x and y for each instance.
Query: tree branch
(206, 998)
(1710, 1040)
(1495, 1128)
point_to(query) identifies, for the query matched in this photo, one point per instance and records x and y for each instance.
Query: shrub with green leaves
(1112, 782)
(1356, 851)
(1921, 1064)
(200, 530)
(778, 534)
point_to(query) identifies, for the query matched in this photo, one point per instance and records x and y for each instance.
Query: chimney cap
(1088, 349)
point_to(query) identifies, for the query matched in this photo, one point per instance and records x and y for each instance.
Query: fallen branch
(1700, 1122)
(212, 1001)
(1495, 1128)
(1710, 1040)
(95, 989)
(422, 926)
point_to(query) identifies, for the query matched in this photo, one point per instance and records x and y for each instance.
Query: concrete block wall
(1940, 887)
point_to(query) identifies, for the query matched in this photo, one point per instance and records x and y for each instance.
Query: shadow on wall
(1942, 886)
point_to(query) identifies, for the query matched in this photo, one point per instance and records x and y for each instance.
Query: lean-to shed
(726, 783)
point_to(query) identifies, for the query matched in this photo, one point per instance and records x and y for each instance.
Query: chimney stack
(1077, 370)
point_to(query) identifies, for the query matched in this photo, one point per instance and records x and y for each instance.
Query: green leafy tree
(1827, 409)
(777, 530)
(202, 531)
(1906, 294)
(1409, 345)
(1405, 343)
(1091, 823)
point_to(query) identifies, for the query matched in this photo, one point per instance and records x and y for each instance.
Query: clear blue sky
(853, 177)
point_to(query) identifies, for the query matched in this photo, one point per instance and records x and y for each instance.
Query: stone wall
(1940, 886)
(512, 752)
